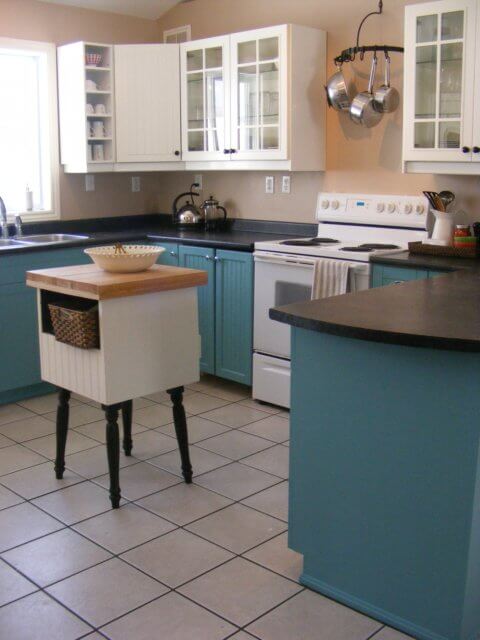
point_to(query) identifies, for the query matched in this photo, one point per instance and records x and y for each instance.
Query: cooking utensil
(435, 201)
(338, 91)
(386, 98)
(214, 214)
(188, 215)
(447, 197)
(362, 109)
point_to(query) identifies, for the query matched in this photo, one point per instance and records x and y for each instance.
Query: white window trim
(51, 52)
(187, 28)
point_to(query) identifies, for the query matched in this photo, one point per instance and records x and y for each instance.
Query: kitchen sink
(50, 238)
(5, 243)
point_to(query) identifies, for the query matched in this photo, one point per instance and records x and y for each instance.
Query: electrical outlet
(89, 182)
(199, 180)
(285, 184)
(269, 184)
(135, 184)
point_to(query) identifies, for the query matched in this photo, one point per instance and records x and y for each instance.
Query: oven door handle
(303, 262)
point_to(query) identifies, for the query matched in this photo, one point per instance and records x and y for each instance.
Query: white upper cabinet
(147, 94)
(259, 94)
(255, 100)
(442, 96)
(205, 98)
(86, 107)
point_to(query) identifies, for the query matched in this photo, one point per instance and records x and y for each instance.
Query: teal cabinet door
(19, 359)
(203, 258)
(382, 276)
(434, 274)
(170, 256)
(234, 315)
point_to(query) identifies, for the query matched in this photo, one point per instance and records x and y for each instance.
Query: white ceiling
(151, 9)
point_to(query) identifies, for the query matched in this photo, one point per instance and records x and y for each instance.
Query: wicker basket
(420, 248)
(76, 327)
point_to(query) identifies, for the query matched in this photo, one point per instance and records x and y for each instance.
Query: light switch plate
(286, 184)
(135, 184)
(269, 184)
(199, 180)
(89, 182)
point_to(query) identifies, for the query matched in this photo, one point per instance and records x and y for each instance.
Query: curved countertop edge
(440, 313)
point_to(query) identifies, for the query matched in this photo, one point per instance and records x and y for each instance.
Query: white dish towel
(330, 278)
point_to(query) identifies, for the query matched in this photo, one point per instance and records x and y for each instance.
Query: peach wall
(33, 20)
(357, 159)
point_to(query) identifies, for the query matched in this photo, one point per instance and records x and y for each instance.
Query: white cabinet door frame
(412, 12)
(476, 118)
(222, 131)
(255, 35)
(147, 94)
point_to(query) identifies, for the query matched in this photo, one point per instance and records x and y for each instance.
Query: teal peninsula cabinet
(385, 452)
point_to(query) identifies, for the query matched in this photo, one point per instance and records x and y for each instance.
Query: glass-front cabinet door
(258, 94)
(205, 99)
(439, 87)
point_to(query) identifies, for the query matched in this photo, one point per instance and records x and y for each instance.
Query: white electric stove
(351, 228)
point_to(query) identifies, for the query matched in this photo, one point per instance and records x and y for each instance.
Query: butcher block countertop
(88, 281)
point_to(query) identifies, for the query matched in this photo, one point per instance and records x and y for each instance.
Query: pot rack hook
(373, 13)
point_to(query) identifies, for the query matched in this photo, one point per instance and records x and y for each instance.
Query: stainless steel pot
(338, 91)
(362, 110)
(386, 98)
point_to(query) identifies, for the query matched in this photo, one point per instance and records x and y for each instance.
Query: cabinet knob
(217, 259)
(233, 151)
(226, 151)
(207, 257)
(476, 149)
(466, 149)
(177, 152)
(172, 253)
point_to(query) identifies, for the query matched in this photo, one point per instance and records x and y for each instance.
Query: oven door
(279, 279)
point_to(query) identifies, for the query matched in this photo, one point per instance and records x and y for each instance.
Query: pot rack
(349, 55)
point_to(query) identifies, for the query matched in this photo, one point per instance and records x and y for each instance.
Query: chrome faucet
(3, 219)
(18, 226)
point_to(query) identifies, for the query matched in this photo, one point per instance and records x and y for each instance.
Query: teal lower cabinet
(383, 275)
(203, 258)
(233, 315)
(385, 481)
(225, 310)
(19, 354)
(171, 255)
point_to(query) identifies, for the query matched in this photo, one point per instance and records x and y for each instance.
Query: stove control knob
(392, 207)
(380, 207)
(325, 204)
(407, 209)
(420, 209)
(335, 204)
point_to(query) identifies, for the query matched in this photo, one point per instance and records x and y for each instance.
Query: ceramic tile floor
(207, 561)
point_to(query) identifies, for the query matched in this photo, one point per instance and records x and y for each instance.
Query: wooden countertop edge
(107, 291)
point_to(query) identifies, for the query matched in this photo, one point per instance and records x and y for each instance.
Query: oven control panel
(384, 210)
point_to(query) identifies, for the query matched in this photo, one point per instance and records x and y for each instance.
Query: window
(28, 127)
(180, 34)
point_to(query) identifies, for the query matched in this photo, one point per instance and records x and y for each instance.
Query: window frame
(50, 50)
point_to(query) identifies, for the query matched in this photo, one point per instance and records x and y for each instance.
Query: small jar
(462, 231)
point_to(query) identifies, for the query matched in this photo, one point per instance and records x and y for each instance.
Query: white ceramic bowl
(137, 258)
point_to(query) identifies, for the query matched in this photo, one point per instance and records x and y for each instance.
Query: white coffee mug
(91, 85)
(97, 129)
(89, 109)
(98, 152)
(100, 109)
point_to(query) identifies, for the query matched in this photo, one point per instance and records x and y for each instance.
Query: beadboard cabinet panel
(233, 315)
(147, 94)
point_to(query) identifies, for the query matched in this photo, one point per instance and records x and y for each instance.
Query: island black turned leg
(127, 427)
(180, 421)
(113, 452)
(62, 430)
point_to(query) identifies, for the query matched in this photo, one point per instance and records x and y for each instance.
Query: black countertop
(239, 235)
(441, 312)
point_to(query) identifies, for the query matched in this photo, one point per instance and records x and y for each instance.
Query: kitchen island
(385, 471)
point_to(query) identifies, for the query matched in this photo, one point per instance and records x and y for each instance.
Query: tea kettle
(214, 214)
(189, 214)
